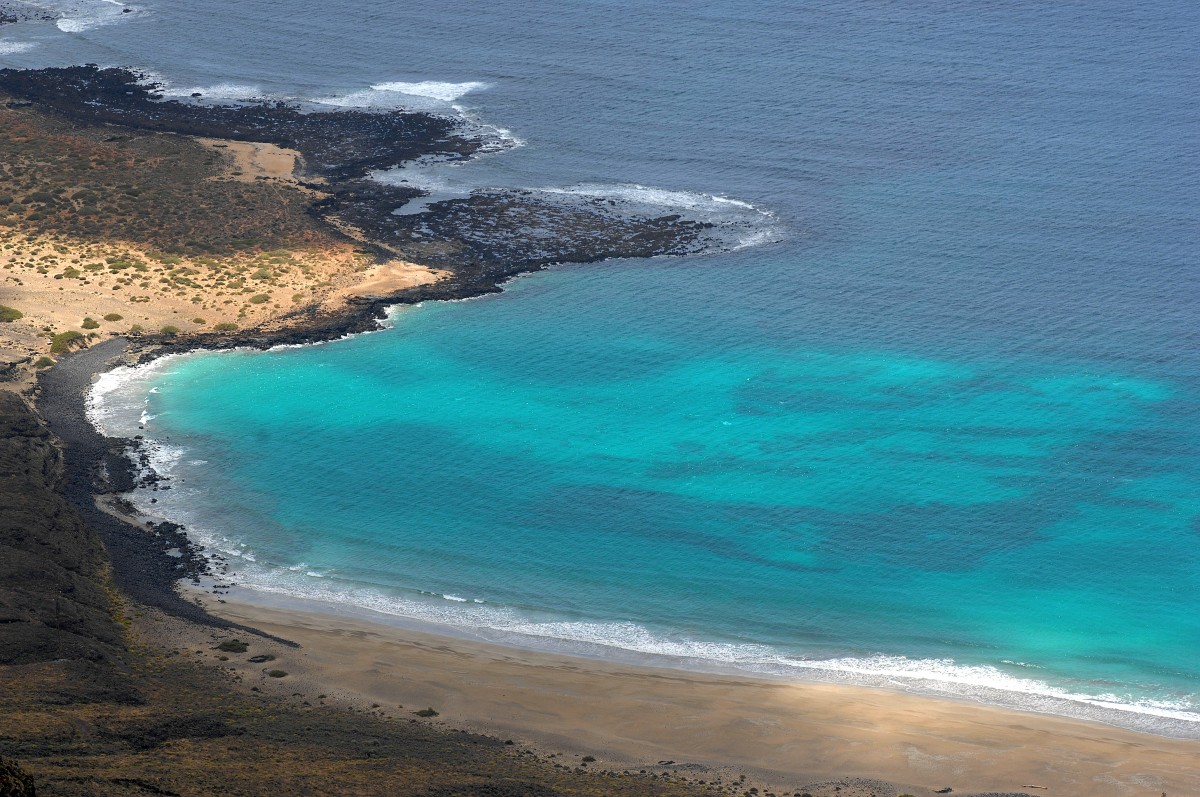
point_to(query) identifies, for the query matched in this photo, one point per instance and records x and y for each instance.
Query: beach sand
(784, 735)
(255, 160)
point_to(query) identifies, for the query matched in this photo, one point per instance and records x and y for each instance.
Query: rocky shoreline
(482, 239)
(478, 242)
(95, 467)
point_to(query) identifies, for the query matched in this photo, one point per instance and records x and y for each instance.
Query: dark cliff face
(53, 602)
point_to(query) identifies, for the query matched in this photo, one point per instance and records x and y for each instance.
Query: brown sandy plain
(146, 232)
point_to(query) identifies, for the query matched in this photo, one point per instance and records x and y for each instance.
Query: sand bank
(782, 734)
(255, 160)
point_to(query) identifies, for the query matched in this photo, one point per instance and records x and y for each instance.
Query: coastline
(342, 251)
(626, 715)
(636, 717)
(95, 465)
(683, 703)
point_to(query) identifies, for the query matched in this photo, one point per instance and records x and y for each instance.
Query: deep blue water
(943, 433)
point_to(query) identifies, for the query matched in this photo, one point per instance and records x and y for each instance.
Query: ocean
(928, 420)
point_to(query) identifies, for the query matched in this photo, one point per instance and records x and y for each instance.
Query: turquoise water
(556, 463)
(942, 435)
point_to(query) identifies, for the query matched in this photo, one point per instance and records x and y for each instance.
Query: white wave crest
(235, 92)
(438, 90)
(118, 400)
(984, 682)
(659, 197)
(12, 48)
(79, 17)
(737, 223)
(428, 95)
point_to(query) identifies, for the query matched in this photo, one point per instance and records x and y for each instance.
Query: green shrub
(90, 323)
(260, 298)
(587, 759)
(43, 362)
(233, 646)
(276, 673)
(426, 712)
(199, 321)
(113, 317)
(71, 273)
(9, 314)
(136, 329)
(63, 341)
(225, 326)
(170, 329)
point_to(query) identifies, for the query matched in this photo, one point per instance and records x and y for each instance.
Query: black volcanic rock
(482, 239)
(338, 145)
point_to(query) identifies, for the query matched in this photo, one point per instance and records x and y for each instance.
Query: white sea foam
(79, 16)
(433, 173)
(438, 90)
(987, 684)
(227, 92)
(945, 677)
(12, 48)
(118, 400)
(737, 224)
(426, 95)
(658, 197)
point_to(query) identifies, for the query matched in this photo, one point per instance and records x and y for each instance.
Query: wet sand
(781, 734)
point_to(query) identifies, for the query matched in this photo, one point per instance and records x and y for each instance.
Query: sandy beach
(781, 734)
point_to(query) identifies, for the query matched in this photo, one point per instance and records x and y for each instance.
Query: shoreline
(779, 732)
(631, 716)
(1038, 700)
(454, 249)
(95, 465)
(839, 727)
